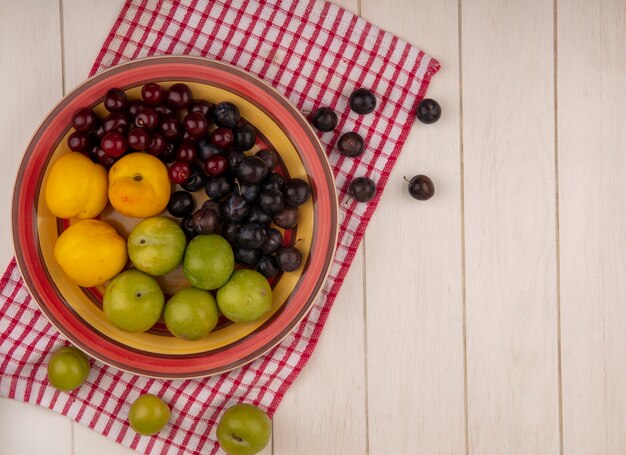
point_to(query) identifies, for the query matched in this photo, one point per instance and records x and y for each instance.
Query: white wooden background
(489, 320)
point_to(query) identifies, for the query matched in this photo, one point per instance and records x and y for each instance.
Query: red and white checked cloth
(316, 54)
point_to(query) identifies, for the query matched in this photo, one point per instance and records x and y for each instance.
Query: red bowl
(76, 312)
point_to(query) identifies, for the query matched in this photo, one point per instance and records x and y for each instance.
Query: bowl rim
(294, 324)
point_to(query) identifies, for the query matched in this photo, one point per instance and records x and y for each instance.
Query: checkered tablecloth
(313, 52)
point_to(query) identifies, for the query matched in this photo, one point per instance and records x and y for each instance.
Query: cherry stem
(238, 186)
(406, 179)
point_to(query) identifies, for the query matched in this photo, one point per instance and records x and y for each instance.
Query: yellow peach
(76, 187)
(139, 185)
(90, 252)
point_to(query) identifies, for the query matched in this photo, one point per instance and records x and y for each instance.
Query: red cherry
(79, 142)
(115, 100)
(179, 96)
(84, 120)
(157, 144)
(216, 165)
(186, 151)
(114, 144)
(152, 94)
(115, 122)
(146, 118)
(222, 137)
(170, 127)
(179, 172)
(195, 124)
(138, 139)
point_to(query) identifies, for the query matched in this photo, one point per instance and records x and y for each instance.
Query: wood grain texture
(413, 263)
(324, 410)
(591, 139)
(30, 72)
(412, 398)
(31, 430)
(510, 253)
(88, 442)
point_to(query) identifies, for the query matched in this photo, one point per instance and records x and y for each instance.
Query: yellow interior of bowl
(76, 297)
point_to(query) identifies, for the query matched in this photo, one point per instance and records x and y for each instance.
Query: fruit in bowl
(156, 245)
(191, 314)
(90, 252)
(235, 192)
(245, 297)
(133, 301)
(209, 262)
(76, 187)
(139, 185)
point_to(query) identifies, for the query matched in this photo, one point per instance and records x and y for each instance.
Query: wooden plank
(28, 430)
(591, 136)
(510, 234)
(88, 442)
(324, 410)
(30, 50)
(413, 262)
